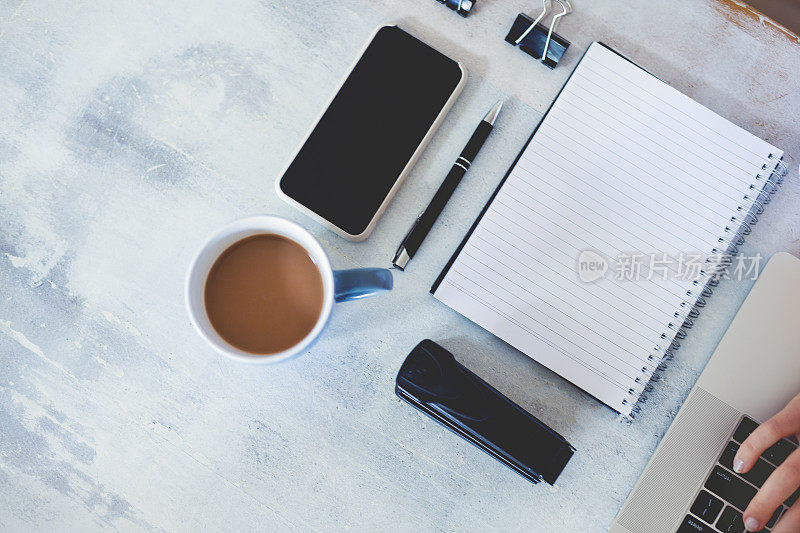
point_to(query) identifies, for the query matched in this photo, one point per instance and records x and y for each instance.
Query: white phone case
(387, 200)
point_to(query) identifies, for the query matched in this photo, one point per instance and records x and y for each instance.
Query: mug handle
(358, 283)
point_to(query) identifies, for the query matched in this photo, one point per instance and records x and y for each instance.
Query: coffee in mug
(261, 289)
(264, 294)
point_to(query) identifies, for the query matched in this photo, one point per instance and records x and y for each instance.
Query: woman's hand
(783, 481)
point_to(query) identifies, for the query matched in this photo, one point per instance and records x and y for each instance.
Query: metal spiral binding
(768, 180)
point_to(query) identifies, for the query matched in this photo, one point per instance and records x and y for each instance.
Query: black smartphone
(355, 157)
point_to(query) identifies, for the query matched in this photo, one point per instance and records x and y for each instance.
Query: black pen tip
(491, 116)
(401, 259)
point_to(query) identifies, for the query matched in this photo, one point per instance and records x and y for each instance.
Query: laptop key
(730, 488)
(746, 426)
(775, 454)
(756, 475)
(707, 507)
(778, 512)
(778, 452)
(730, 521)
(759, 473)
(691, 524)
(726, 459)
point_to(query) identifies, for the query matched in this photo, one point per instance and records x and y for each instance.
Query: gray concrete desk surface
(130, 131)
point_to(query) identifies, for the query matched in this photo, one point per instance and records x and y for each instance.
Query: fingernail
(752, 524)
(738, 466)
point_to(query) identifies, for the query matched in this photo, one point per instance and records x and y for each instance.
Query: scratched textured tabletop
(130, 131)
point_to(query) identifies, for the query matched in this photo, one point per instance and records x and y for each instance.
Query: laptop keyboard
(725, 495)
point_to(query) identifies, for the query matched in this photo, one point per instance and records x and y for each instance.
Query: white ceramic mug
(338, 285)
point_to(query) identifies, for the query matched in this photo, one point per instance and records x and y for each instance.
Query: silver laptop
(689, 485)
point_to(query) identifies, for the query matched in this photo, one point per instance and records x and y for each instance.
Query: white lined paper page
(621, 163)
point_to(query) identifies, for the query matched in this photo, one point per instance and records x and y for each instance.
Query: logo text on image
(591, 266)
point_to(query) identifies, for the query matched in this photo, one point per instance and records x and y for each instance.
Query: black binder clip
(537, 40)
(462, 7)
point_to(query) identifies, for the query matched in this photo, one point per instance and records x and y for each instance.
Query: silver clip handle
(567, 9)
(545, 4)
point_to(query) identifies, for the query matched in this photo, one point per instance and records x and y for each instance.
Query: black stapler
(434, 382)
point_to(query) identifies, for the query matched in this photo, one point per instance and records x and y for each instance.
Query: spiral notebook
(621, 168)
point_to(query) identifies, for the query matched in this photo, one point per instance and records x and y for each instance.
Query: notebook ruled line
(586, 243)
(695, 122)
(543, 339)
(680, 171)
(645, 216)
(615, 248)
(581, 325)
(633, 370)
(547, 141)
(636, 348)
(701, 211)
(680, 151)
(572, 201)
(575, 254)
(677, 133)
(570, 280)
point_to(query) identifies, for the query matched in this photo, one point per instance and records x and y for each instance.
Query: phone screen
(371, 129)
